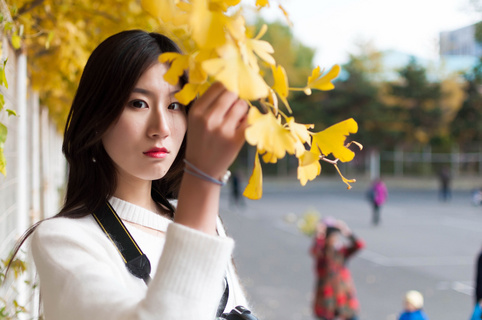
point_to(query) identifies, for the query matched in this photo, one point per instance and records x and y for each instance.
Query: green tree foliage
(296, 58)
(356, 94)
(478, 32)
(467, 124)
(420, 99)
(477, 6)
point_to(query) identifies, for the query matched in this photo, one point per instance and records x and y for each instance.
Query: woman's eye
(176, 106)
(139, 104)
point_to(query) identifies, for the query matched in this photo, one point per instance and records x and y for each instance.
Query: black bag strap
(136, 261)
(224, 300)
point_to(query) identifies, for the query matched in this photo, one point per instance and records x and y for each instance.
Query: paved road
(421, 244)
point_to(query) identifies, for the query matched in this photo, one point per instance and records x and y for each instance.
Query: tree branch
(29, 6)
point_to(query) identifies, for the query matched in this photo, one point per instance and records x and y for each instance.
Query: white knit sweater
(82, 276)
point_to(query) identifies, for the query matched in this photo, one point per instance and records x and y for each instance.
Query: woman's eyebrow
(150, 93)
(173, 92)
(143, 91)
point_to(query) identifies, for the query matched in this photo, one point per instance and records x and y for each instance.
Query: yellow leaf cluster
(58, 36)
(222, 50)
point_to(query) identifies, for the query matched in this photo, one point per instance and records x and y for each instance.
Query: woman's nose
(159, 124)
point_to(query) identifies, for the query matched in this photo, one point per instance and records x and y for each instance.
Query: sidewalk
(461, 183)
(421, 244)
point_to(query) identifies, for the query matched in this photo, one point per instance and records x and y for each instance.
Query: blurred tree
(357, 94)
(477, 6)
(421, 99)
(295, 57)
(58, 36)
(467, 124)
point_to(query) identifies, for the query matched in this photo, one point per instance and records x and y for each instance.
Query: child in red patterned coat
(335, 291)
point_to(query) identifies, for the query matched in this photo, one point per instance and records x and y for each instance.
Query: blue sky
(333, 27)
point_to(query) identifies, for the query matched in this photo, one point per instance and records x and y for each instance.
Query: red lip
(158, 153)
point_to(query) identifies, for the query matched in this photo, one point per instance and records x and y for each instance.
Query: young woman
(335, 296)
(126, 141)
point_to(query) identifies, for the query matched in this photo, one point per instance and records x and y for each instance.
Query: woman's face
(333, 239)
(145, 140)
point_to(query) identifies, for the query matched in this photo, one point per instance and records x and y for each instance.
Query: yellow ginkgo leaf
(332, 140)
(190, 91)
(267, 133)
(254, 189)
(236, 75)
(345, 180)
(262, 31)
(197, 74)
(301, 133)
(3, 138)
(16, 41)
(262, 3)
(162, 9)
(207, 26)
(178, 62)
(272, 100)
(236, 26)
(309, 167)
(321, 81)
(262, 49)
(300, 130)
(223, 5)
(268, 157)
(281, 84)
(287, 16)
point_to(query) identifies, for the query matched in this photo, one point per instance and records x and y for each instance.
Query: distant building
(437, 69)
(460, 42)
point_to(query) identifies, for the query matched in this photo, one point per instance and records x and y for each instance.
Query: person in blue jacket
(413, 304)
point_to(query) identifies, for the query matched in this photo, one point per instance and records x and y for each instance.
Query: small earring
(94, 160)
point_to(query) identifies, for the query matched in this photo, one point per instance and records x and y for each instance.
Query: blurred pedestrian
(413, 304)
(377, 195)
(478, 279)
(236, 196)
(444, 178)
(477, 313)
(335, 296)
(477, 197)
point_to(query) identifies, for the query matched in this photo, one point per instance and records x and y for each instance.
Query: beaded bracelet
(204, 176)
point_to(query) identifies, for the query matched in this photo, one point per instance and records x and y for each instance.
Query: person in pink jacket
(378, 196)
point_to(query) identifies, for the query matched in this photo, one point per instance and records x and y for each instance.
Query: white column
(35, 156)
(45, 163)
(22, 164)
(22, 167)
(398, 159)
(374, 164)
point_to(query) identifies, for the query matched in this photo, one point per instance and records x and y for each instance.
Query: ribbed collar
(138, 215)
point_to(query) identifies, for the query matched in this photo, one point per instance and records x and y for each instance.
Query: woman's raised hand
(215, 134)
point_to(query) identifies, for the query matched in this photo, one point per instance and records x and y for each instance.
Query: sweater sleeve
(83, 277)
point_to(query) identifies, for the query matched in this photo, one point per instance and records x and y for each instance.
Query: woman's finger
(204, 102)
(235, 114)
(219, 109)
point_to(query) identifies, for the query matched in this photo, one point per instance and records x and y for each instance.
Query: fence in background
(373, 163)
(32, 188)
(424, 163)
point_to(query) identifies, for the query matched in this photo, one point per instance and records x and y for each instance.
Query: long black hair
(108, 79)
